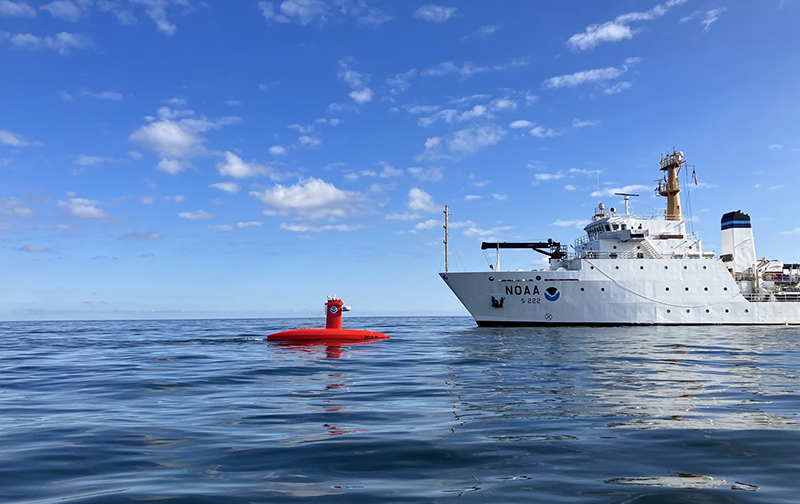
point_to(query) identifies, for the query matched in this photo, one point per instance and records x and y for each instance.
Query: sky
(187, 159)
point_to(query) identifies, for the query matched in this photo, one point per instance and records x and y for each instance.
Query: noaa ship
(634, 270)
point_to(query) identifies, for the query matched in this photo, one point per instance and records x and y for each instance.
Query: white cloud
(103, 95)
(570, 187)
(502, 104)
(176, 142)
(471, 139)
(610, 191)
(147, 200)
(477, 111)
(546, 177)
(12, 206)
(234, 103)
(63, 42)
(17, 9)
(233, 166)
(471, 197)
(577, 123)
(157, 11)
(401, 82)
(63, 9)
(14, 139)
(419, 203)
(448, 115)
(578, 223)
(390, 171)
(361, 93)
(38, 249)
(775, 146)
(196, 215)
(231, 187)
(618, 29)
(484, 31)
(435, 13)
(277, 150)
(487, 234)
(222, 227)
(242, 225)
(179, 198)
(578, 78)
(309, 141)
(124, 16)
(793, 231)
(83, 208)
(432, 174)
(84, 160)
(312, 198)
(711, 17)
(521, 123)
(448, 67)
(500, 197)
(137, 236)
(304, 228)
(542, 132)
(618, 87)
(299, 11)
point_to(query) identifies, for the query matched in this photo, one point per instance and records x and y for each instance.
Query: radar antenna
(627, 197)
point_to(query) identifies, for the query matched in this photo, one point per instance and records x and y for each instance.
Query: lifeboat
(333, 331)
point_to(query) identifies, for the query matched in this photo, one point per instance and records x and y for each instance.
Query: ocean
(444, 411)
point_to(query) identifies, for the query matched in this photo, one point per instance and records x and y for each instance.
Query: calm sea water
(209, 411)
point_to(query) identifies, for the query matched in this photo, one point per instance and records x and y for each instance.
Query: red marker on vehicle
(333, 328)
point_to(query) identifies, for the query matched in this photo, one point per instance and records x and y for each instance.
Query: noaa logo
(334, 309)
(551, 294)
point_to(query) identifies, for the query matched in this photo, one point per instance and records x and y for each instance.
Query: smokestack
(738, 247)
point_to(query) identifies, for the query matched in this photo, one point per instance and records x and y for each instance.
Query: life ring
(590, 254)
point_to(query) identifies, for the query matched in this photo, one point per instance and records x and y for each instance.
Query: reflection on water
(653, 378)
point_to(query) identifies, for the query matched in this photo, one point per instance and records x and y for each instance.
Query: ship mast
(672, 164)
(446, 240)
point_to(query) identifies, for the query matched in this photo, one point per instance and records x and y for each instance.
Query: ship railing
(772, 297)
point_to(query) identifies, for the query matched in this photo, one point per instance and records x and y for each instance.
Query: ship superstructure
(630, 269)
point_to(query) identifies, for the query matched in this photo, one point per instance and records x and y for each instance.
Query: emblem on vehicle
(551, 294)
(496, 303)
(334, 309)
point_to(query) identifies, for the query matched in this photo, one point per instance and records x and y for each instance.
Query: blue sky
(176, 158)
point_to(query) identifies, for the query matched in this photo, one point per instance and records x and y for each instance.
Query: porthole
(615, 247)
(705, 289)
(538, 278)
(641, 267)
(582, 289)
(686, 289)
(704, 267)
(666, 267)
(746, 310)
(491, 279)
(667, 288)
(602, 289)
(686, 267)
(725, 289)
(708, 311)
(591, 267)
(726, 310)
(616, 267)
(688, 311)
(444, 276)
(669, 311)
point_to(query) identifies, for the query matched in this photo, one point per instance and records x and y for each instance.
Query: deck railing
(772, 297)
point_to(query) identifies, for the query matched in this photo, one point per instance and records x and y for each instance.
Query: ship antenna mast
(446, 240)
(627, 197)
(672, 164)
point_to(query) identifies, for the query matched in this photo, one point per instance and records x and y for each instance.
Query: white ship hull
(617, 292)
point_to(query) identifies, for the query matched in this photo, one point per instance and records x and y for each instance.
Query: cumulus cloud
(16, 9)
(298, 11)
(222, 227)
(619, 29)
(361, 93)
(63, 42)
(519, 124)
(435, 13)
(542, 132)
(277, 150)
(157, 11)
(231, 187)
(84, 160)
(233, 166)
(419, 203)
(471, 139)
(311, 198)
(64, 9)
(14, 139)
(102, 95)
(196, 215)
(401, 82)
(242, 225)
(431, 174)
(577, 123)
(546, 177)
(83, 208)
(177, 141)
(13, 207)
(124, 16)
(618, 87)
(137, 236)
